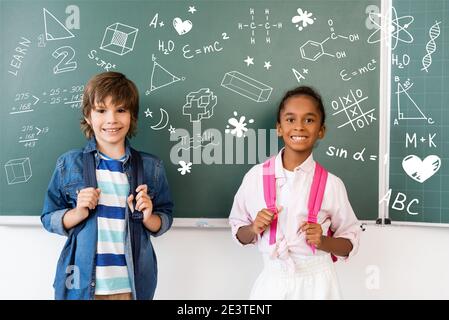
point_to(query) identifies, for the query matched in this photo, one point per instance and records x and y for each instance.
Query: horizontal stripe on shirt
(111, 224)
(110, 212)
(111, 165)
(112, 200)
(111, 236)
(109, 176)
(120, 190)
(110, 247)
(112, 284)
(111, 272)
(108, 259)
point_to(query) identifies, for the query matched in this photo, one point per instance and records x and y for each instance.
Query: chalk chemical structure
(267, 26)
(313, 50)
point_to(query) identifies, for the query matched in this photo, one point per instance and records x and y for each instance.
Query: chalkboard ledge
(35, 221)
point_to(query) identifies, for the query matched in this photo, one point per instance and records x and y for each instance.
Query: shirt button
(92, 283)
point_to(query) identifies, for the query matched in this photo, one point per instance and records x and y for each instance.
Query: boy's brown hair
(123, 92)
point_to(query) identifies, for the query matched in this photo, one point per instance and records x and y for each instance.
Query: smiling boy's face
(110, 124)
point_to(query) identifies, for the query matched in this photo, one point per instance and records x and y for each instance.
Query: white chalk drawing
(397, 28)
(312, 50)
(119, 38)
(54, 29)
(411, 113)
(161, 77)
(431, 46)
(246, 86)
(24, 105)
(348, 75)
(30, 134)
(182, 27)
(263, 24)
(239, 126)
(192, 9)
(200, 105)
(267, 65)
(172, 130)
(163, 122)
(188, 52)
(420, 170)
(154, 22)
(185, 167)
(249, 61)
(350, 106)
(298, 75)
(303, 19)
(148, 113)
(18, 170)
(65, 56)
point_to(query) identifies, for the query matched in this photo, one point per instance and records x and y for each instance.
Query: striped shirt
(111, 270)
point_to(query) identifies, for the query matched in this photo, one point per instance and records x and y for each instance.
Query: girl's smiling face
(300, 124)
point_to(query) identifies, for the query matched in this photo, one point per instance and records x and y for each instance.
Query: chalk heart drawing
(182, 27)
(421, 170)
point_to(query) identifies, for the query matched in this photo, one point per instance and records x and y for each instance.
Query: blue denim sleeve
(162, 202)
(55, 205)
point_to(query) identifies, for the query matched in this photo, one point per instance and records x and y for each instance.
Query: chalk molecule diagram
(397, 27)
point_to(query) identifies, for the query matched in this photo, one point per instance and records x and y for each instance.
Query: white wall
(412, 263)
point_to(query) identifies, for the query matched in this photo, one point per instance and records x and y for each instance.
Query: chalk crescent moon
(163, 122)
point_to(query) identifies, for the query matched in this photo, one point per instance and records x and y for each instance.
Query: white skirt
(313, 278)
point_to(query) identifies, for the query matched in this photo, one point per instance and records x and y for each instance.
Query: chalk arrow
(37, 99)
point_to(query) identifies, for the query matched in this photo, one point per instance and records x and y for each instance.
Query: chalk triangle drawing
(54, 29)
(407, 107)
(161, 77)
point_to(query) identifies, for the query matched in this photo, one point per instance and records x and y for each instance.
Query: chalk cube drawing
(119, 38)
(246, 86)
(200, 104)
(18, 170)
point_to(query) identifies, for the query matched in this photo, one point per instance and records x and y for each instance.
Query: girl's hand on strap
(263, 220)
(313, 232)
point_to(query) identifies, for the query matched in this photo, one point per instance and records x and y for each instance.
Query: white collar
(307, 166)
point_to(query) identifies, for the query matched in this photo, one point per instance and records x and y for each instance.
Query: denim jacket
(75, 272)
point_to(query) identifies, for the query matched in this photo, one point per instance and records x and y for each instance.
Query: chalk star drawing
(148, 113)
(239, 126)
(172, 130)
(395, 27)
(267, 64)
(249, 61)
(185, 167)
(192, 10)
(304, 17)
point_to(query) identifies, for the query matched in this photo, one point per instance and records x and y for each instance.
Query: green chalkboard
(419, 168)
(199, 67)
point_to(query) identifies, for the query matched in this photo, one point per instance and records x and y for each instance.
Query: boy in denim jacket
(97, 260)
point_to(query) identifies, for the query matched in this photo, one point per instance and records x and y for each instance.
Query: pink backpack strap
(316, 194)
(269, 192)
(316, 198)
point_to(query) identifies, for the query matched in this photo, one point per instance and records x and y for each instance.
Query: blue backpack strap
(136, 217)
(90, 180)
